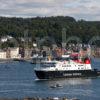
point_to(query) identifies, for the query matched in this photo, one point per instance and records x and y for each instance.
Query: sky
(79, 9)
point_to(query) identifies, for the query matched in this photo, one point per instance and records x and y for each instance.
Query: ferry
(66, 68)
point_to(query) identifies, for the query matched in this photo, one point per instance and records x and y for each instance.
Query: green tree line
(49, 26)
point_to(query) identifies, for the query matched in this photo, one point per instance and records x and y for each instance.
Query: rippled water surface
(18, 80)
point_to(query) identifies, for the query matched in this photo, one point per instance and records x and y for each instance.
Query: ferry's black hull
(66, 74)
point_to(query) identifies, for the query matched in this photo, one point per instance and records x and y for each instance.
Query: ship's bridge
(48, 64)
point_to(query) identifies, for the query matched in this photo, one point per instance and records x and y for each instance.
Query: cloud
(80, 9)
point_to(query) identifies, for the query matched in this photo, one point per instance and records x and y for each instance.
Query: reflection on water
(69, 81)
(72, 87)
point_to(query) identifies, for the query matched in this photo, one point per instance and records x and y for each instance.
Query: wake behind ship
(66, 68)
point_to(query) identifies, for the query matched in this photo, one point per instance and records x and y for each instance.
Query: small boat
(53, 86)
(59, 85)
(66, 68)
(56, 86)
(37, 59)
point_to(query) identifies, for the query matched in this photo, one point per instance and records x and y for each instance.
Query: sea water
(18, 80)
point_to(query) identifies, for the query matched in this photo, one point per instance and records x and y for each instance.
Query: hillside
(52, 26)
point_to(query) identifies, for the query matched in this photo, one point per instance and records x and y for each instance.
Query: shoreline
(39, 98)
(29, 60)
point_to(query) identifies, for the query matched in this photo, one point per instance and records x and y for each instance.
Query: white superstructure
(64, 65)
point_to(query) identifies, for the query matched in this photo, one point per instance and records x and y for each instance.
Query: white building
(14, 53)
(2, 55)
(6, 38)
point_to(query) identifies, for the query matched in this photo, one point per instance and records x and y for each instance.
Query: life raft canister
(87, 61)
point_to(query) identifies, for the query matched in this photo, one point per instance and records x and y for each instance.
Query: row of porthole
(66, 66)
(78, 68)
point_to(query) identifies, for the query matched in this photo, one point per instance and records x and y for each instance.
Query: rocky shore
(38, 98)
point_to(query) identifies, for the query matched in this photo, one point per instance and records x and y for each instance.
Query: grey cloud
(86, 9)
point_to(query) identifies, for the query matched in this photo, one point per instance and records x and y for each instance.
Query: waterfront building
(14, 52)
(2, 55)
